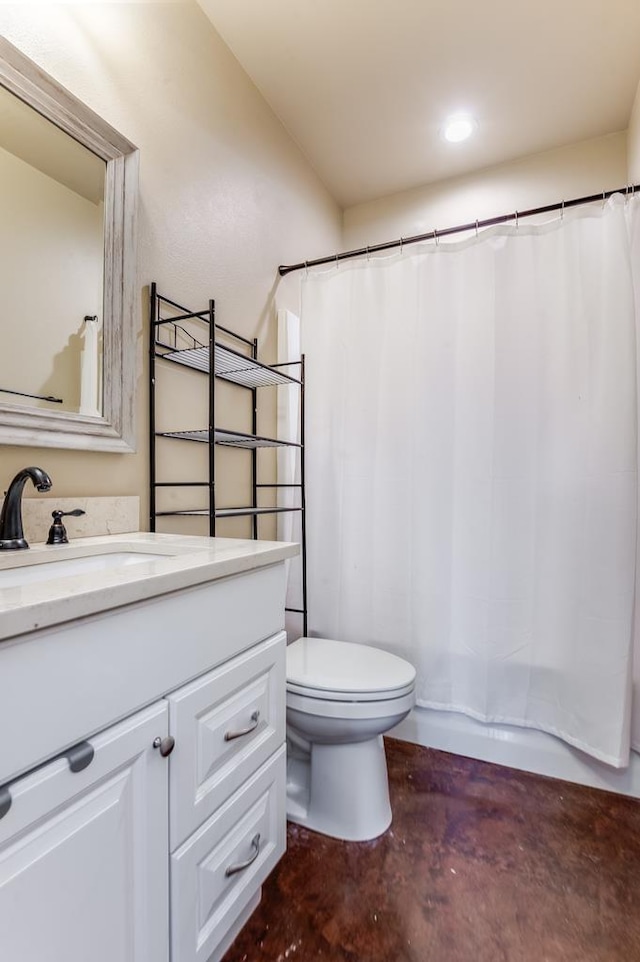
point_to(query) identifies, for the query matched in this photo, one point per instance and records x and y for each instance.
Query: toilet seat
(350, 709)
(326, 694)
(329, 670)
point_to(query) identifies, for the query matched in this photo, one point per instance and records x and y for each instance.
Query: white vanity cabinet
(147, 854)
(83, 856)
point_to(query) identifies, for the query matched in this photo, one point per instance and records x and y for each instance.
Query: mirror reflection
(52, 192)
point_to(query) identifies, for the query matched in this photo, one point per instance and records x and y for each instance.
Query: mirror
(52, 229)
(68, 189)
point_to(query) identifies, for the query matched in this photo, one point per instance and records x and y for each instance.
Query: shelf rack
(172, 342)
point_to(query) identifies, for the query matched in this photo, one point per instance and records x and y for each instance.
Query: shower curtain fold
(471, 469)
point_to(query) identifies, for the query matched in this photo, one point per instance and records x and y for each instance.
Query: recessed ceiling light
(458, 128)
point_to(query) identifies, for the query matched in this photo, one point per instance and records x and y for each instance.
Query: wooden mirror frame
(115, 430)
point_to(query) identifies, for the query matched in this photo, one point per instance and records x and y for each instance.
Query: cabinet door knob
(166, 745)
(255, 718)
(241, 866)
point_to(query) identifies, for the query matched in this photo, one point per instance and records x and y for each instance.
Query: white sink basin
(68, 567)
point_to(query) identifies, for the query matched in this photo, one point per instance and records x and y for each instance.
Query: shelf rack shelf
(230, 365)
(233, 439)
(173, 340)
(224, 512)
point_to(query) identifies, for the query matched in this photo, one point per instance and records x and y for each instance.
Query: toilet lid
(341, 670)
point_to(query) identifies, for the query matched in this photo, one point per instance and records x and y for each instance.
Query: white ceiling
(363, 86)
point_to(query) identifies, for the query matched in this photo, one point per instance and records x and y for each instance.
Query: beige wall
(633, 142)
(225, 195)
(574, 171)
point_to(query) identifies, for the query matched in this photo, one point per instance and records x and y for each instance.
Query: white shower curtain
(471, 469)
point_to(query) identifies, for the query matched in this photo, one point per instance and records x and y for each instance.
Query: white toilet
(341, 697)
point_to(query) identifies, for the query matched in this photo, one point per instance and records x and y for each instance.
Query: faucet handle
(57, 531)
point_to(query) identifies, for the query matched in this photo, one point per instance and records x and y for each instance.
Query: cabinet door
(83, 856)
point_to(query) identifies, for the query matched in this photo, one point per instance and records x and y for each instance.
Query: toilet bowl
(341, 698)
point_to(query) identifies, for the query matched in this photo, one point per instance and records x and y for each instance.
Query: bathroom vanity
(142, 760)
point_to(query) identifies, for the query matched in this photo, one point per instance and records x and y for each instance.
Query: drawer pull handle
(166, 745)
(241, 866)
(255, 718)
(5, 800)
(79, 756)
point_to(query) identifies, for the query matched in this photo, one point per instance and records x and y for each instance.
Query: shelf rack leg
(212, 418)
(153, 311)
(254, 452)
(303, 502)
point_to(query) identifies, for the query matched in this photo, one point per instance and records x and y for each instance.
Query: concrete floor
(481, 864)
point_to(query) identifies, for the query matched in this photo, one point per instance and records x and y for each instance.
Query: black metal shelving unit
(171, 342)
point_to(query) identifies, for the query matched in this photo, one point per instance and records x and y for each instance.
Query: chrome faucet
(11, 533)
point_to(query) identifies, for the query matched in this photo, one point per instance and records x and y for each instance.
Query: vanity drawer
(226, 724)
(216, 874)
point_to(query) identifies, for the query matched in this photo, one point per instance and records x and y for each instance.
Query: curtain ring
(562, 211)
(517, 225)
(435, 236)
(337, 261)
(306, 268)
(603, 199)
(401, 244)
(476, 228)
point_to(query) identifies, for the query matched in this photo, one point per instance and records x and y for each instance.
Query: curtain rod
(460, 229)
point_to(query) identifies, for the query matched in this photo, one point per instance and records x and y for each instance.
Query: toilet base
(340, 790)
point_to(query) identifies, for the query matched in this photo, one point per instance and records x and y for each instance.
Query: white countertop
(189, 561)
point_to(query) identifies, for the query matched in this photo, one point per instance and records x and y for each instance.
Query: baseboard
(522, 748)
